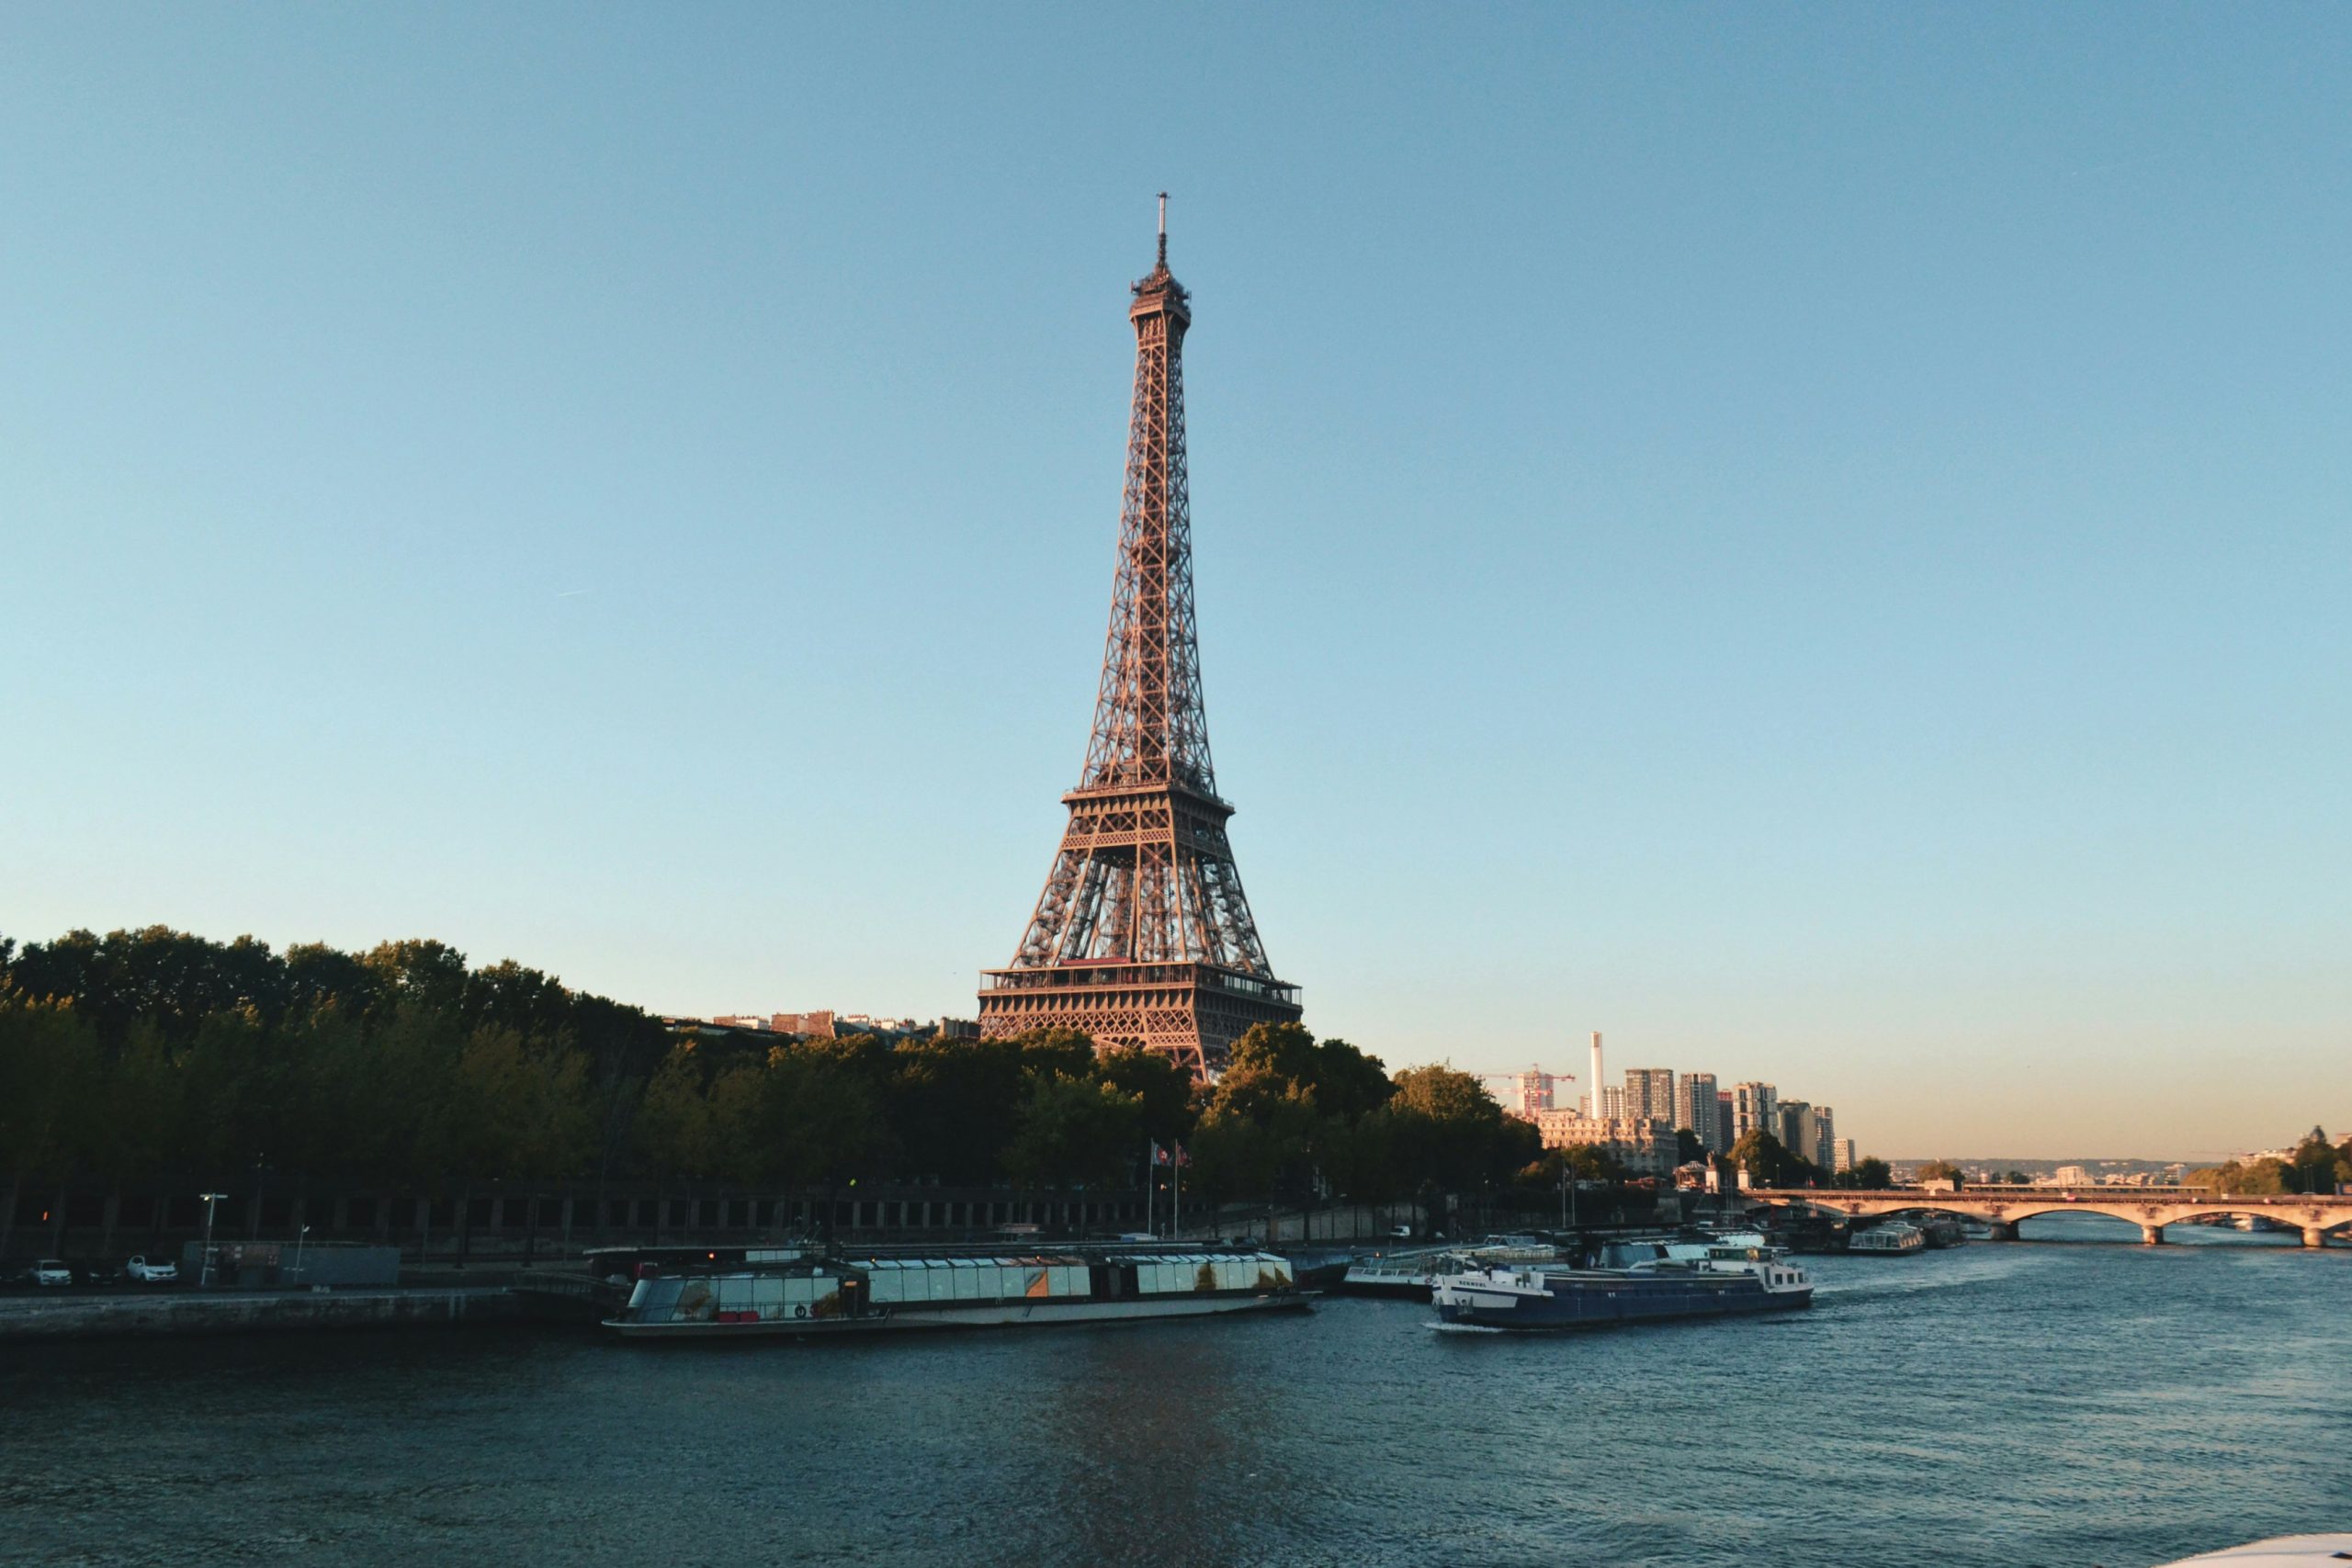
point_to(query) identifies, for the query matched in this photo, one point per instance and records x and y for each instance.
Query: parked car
(50, 1271)
(146, 1273)
(97, 1271)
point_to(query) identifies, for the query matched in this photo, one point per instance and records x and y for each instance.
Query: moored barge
(817, 1296)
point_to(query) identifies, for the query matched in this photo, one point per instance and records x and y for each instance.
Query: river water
(1989, 1407)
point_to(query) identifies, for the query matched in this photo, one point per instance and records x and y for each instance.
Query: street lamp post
(204, 1273)
(299, 1243)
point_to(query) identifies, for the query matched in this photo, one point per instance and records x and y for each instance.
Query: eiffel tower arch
(1142, 936)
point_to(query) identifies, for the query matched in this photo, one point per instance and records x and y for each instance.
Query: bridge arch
(2152, 1212)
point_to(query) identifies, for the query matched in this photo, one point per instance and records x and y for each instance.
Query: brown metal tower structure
(1142, 936)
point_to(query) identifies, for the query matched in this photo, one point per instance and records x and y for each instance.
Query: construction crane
(1518, 1082)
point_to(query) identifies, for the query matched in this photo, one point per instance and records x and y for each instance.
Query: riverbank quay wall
(513, 1224)
(511, 1221)
(2316, 1215)
(119, 1316)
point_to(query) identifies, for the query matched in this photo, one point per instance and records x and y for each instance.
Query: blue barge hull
(1599, 1298)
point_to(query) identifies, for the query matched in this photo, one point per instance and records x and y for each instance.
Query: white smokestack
(1592, 1100)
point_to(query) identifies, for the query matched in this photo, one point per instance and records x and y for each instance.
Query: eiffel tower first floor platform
(1192, 1012)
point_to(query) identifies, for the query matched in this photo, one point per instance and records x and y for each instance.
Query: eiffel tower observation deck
(1142, 936)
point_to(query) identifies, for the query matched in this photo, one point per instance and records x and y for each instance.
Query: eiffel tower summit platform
(1142, 936)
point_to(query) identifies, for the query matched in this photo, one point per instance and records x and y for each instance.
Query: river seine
(1990, 1408)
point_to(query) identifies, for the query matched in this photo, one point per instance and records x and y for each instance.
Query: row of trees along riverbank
(2316, 1166)
(155, 1060)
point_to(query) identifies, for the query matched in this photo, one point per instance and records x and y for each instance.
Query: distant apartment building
(959, 1029)
(816, 1025)
(1843, 1156)
(739, 1020)
(1536, 1090)
(1695, 1107)
(1644, 1145)
(1612, 1103)
(1649, 1091)
(2073, 1176)
(1723, 1119)
(1755, 1108)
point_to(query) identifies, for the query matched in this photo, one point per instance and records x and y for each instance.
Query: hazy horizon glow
(1814, 542)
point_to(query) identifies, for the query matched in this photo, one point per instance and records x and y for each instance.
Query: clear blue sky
(1813, 540)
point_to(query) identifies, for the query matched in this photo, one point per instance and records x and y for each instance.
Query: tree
(2314, 1166)
(956, 1101)
(828, 1106)
(1163, 1091)
(1942, 1171)
(2264, 1178)
(1870, 1174)
(1687, 1147)
(1463, 1140)
(1075, 1130)
(672, 1129)
(45, 1054)
(1769, 1164)
(1583, 1163)
(1283, 1113)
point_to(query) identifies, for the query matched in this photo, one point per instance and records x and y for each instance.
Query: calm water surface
(1993, 1407)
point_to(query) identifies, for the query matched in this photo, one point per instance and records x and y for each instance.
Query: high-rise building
(1821, 1137)
(1755, 1108)
(1694, 1107)
(1536, 1089)
(1142, 936)
(1613, 1102)
(1788, 1126)
(1842, 1159)
(1649, 1091)
(1724, 1119)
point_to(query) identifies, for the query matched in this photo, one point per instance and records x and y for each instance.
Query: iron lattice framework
(1142, 936)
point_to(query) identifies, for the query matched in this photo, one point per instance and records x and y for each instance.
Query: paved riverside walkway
(75, 1315)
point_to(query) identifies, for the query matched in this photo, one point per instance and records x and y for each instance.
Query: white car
(147, 1273)
(50, 1271)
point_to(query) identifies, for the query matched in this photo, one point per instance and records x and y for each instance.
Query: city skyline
(1783, 509)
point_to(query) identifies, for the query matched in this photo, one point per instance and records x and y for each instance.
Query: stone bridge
(2149, 1208)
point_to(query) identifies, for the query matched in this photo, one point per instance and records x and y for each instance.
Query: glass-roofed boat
(789, 1292)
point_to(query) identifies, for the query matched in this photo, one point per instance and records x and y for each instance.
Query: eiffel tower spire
(1142, 936)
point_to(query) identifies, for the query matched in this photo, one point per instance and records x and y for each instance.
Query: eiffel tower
(1142, 936)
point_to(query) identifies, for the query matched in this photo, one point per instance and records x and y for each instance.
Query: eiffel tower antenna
(1142, 936)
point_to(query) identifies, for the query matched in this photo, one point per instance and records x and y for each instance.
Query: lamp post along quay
(204, 1272)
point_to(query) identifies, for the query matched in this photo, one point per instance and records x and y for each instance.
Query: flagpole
(1176, 1197)
(1150, 1187)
